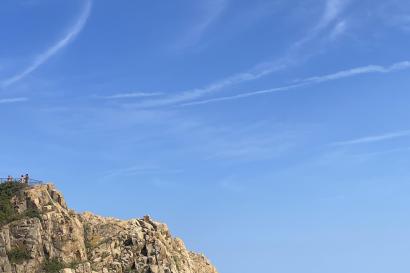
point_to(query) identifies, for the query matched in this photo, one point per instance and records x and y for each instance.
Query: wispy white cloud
(13, 100)
(131, 95)
(53, 50)
(360, 70)
(370, 69)
(211, 11)
(375, 138)
(138, 169)
(189, 95)
(338, 29)
(245, 95)
(332, 10)
(258, 141)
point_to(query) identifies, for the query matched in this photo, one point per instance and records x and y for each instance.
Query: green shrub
(7, 191)
(53, 266)
(18, 255)
(7, 212)
(73, 264)
(32, 213)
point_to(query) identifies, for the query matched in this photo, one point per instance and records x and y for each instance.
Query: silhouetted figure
(26, 178)
(22, 179)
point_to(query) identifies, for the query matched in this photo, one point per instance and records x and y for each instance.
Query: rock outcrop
(48, 237)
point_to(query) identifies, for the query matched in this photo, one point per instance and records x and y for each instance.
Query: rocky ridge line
(56, 239)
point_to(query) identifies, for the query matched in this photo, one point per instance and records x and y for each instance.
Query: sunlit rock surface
(48, 236)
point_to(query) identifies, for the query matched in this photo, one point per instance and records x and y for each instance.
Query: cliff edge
(40, 234)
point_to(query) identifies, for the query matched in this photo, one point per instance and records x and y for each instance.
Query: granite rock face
(56, 239)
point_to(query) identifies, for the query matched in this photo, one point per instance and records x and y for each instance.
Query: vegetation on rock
(18, 255)
(7, 191)
(7, 212)
(53, 266)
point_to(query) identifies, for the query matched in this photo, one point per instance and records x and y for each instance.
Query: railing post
(29, 182)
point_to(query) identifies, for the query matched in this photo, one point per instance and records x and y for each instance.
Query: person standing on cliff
(26, 178)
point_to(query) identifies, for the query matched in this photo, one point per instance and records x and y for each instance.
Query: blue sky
(271, 135)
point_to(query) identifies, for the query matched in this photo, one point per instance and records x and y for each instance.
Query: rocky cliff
(39, 234)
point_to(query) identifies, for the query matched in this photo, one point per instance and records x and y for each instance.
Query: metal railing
(18, 180)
